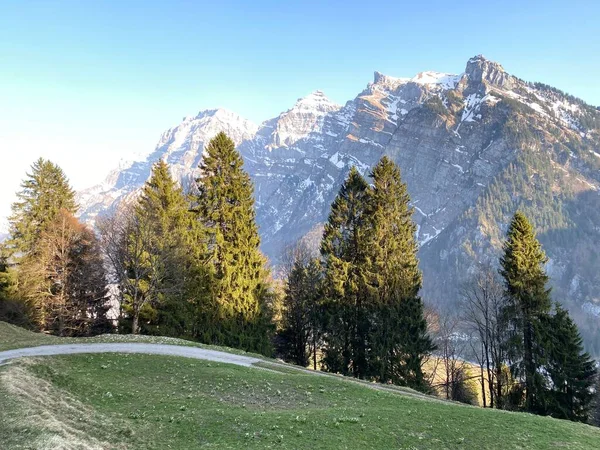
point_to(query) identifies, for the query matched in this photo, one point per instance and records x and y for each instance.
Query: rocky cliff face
(472, 148)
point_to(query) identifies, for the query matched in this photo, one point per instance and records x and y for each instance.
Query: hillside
(473, 148)
(142, 401)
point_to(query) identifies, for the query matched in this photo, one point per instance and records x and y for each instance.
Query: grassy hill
(157, 402)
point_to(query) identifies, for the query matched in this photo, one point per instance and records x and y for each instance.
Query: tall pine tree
(44, 193)
(12, 308)
(302, 313)
(175, 252)
(347, 280)
(226, 207)
(522, 267)
(400, 337)
(571, 371)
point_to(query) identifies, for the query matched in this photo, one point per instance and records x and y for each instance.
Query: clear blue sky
(85, 83)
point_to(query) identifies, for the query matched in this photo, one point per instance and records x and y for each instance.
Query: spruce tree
(12, 308)
(44, 193)
(175, 251)
(400, 338)
(88, 288)
(226, 207)
(571, 370)
(301, 316)
(522, 267)
(347, 280)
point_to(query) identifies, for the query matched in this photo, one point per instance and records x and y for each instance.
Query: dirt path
(151, 349)
(190, 352)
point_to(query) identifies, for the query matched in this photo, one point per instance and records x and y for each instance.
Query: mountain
(181, 147)
(473, 148)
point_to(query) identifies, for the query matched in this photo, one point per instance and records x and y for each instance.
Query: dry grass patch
(49, 417)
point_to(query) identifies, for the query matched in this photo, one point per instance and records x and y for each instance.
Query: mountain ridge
(472, 147)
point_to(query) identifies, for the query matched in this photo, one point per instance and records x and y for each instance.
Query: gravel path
(152, 349)
(186, 352)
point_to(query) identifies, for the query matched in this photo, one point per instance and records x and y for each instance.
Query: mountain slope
(472, 147)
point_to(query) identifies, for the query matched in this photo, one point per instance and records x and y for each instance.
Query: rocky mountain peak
(386, 82)
(305, 117)
(316, 101)
(429, 78)
(460, 157)
(482, 70)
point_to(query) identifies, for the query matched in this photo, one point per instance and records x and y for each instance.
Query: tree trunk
(529, 366)
(314, 351)
(483, 396)
(499, 385)
(135, 329)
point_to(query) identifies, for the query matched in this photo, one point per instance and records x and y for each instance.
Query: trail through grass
(156, 402)
(12, 337)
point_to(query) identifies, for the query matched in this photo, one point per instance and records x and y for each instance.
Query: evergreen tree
(571, 371)
(44, 193)
(12, 308)
(347, 280)
(88, 290)
(226, 207)
(522, 267)
(302, 313)
(175, 252)
(400, 338)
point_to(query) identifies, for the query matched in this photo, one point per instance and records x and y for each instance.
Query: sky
(89, 83)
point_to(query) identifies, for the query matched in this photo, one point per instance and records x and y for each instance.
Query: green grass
(156, 402)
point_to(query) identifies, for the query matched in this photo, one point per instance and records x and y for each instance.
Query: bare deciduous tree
(65, 279)
(483, 299)
(126, 240)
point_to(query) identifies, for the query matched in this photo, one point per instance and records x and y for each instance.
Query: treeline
(177, 264)
(52, 276)
(529, 350)
(188, 264)
(355, 310)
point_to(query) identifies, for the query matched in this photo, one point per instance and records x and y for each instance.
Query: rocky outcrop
(472, 148)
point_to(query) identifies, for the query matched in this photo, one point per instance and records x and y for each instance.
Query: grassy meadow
(110, 401)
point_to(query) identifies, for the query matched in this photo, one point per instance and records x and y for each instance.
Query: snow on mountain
(452, 135)
(180, 146)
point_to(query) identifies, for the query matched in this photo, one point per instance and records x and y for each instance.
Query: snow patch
(337, 161)
(443, 80)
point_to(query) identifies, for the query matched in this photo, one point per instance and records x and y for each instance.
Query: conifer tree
(522, 267)
(12, 308)
(88, 288)
(175, 252)
(400, 338)
(44, 193)
(301, 319)
(346, 283)
(571, 370)
(226, 207)
(5, 279)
